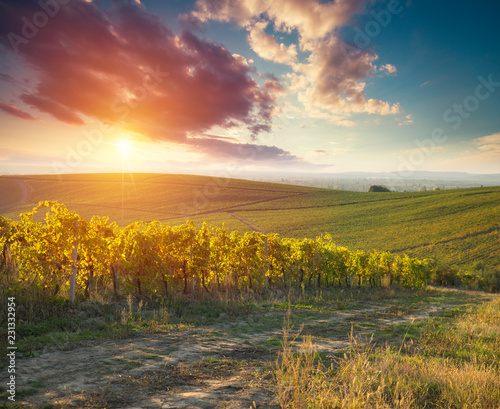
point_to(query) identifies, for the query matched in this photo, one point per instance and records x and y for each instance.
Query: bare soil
(225, 365)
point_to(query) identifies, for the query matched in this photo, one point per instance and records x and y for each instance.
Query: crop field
(252, 343)
(458, 227)
(137, 197)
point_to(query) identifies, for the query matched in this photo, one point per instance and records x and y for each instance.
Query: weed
(454, 367)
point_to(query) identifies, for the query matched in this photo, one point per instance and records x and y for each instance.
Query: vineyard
(190, 315)
(456, 227)
(67, 254)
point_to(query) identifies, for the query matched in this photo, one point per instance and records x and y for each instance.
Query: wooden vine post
(72, 283)
(266, 273)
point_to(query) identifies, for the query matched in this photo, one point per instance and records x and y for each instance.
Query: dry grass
(457, 367)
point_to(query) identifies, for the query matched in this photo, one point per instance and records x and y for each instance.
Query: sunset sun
(125, 146)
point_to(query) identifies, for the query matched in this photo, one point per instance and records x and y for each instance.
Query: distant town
(361, 182)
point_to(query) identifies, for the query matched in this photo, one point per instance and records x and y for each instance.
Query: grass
(67, 324)
(462, 341)
(41, 323)
(454, 363)
(460, 225)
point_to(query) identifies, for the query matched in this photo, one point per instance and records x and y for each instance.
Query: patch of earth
(185, 368)
(175, 370)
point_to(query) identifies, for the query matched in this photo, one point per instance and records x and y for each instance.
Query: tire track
(231, 208)
(254, 227)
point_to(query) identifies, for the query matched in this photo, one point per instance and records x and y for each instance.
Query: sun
(125, 146)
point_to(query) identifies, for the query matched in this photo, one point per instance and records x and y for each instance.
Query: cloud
(388, 68)
(346, 122)
(267, 48)
(15, 111)
(246, 152)
(311, 18)
(429, 82)
(6, 77)
(333, 78)
(251, 155)
(482, 155)
(338, 150)
(124, 66)
(274, 87)
(489, 143)
(424, 149)
(408, 121)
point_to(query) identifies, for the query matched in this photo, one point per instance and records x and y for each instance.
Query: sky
(226, 86)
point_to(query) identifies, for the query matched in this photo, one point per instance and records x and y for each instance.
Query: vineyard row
(67, 254)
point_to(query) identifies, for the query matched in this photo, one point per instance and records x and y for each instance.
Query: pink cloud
(15, 111)
(125, 66)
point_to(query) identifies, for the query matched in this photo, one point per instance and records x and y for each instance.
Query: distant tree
(378, 188)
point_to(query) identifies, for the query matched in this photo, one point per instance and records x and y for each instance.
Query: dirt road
(224, 365)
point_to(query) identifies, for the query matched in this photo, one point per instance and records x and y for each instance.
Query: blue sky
(288, 85)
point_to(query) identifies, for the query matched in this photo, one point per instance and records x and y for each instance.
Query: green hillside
(454, 226)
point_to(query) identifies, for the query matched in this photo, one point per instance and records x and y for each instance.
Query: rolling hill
(457, 227)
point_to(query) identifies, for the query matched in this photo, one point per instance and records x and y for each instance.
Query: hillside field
(249, 346)
(457, 227)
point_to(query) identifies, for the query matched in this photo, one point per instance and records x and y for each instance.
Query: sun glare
(125, 146)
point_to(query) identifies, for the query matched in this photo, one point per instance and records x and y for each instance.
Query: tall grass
(456, 367)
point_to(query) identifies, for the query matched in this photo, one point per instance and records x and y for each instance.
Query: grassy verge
(42, 322)
(454, 363)
(60, 325)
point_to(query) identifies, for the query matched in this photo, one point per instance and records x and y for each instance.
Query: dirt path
(254, 227)
(185, 369)
(225, 365)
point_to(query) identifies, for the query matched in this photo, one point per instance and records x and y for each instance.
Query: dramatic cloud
(311, 18)
(15, 111)
(124, 66)
(331, 81)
